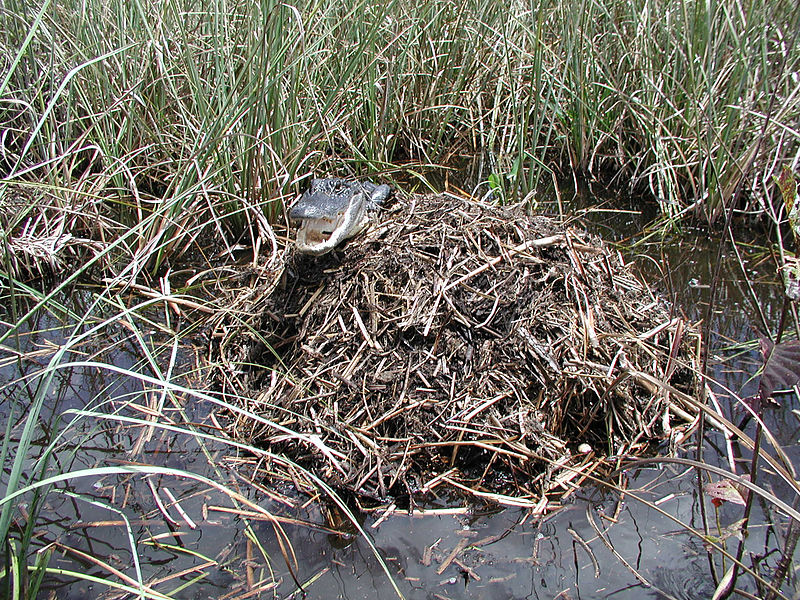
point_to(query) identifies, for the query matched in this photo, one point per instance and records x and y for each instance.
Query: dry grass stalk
(40, 232)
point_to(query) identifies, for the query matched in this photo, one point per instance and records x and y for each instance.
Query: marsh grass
(201, 116)
(756, 463)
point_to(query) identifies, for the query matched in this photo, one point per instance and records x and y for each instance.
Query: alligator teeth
(321, 235)
(333, 210)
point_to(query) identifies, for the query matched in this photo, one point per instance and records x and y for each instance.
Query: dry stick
(184, 515)
(536, 507)
(156, 295)
(463, 543)
(370, 342)
(400, 469)
(142, 587)
(467, 570)
(159, 503)
(187, 571)
(585, 545)
(726, 434)
(249, 566)
(540, 243)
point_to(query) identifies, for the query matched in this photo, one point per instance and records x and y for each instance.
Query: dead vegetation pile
(460, 343)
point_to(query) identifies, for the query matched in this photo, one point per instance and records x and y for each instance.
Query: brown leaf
(725, 490)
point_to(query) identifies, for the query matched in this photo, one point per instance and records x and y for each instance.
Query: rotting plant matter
(460, 343)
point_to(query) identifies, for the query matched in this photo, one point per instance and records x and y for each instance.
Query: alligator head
(332, 211)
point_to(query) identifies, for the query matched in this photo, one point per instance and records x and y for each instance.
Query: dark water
(508, 553)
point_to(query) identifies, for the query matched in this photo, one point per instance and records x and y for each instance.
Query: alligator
(334, 210)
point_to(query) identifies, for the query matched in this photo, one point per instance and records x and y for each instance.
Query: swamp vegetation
(148, 151)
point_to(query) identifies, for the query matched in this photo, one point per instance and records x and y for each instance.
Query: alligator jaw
(320, 236)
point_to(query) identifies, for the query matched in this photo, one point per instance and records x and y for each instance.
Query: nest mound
(463, 343)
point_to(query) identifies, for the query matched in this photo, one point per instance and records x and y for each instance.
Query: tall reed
(207, 114)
